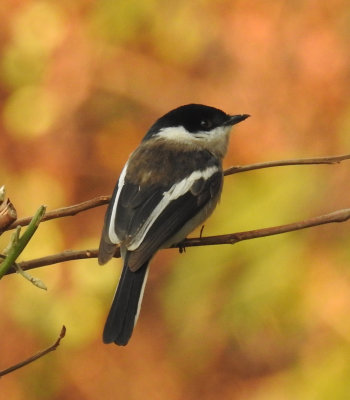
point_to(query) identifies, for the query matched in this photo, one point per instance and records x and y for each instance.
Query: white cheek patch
(111, 230)
(215, 140)
(176, 191)
(215, 134)
(176, 133)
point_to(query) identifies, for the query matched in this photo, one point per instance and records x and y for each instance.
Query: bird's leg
(182, 247)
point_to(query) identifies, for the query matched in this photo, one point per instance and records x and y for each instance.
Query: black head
(194, 118)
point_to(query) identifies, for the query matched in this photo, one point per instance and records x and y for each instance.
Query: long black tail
(126, 305)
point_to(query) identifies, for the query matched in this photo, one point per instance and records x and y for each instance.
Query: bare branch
(232, 238)
(102, 200)
(68, 255)
(36, 356)
(65, 211)
(283, 163)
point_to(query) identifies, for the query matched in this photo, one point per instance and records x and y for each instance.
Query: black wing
(176, 214)
(135, 205)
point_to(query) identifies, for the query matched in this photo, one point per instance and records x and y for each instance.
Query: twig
(337, 216)
(67, 255)
(36, 356)
(65, 211)
(232, 238)
(102, 200)
(283, 163)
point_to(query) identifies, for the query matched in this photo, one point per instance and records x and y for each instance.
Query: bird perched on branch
(170, 185)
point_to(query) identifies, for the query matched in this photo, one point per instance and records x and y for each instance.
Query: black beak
(235, 119)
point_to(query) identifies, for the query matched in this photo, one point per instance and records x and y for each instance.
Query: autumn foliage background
(80, 83)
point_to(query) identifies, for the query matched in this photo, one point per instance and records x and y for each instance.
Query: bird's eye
(205, 124)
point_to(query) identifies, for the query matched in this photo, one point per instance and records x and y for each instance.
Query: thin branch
(102, 200)
(283, 163)
(232, 238)
(36, 356)
(65, 211)
(337, 216)
(67, 255)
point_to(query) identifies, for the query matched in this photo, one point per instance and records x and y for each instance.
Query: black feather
(121, 318)
(134, 207)
(173, 218)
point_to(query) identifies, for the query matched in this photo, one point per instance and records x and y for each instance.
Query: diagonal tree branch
(36, 356)
(68, 255)
(65, 211)
(232, 238)
(284, 163)
(102, 200)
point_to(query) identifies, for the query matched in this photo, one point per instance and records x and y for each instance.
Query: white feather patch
(141, 296)
(216, 140)
(111, 231)
(176, 191)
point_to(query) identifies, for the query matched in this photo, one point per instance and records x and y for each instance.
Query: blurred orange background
(80, 83)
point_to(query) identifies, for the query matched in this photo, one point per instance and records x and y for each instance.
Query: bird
(170, 184)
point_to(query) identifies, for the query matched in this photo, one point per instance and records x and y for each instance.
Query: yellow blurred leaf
(30, 111)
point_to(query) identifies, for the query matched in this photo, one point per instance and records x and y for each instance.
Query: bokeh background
(80, 83)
